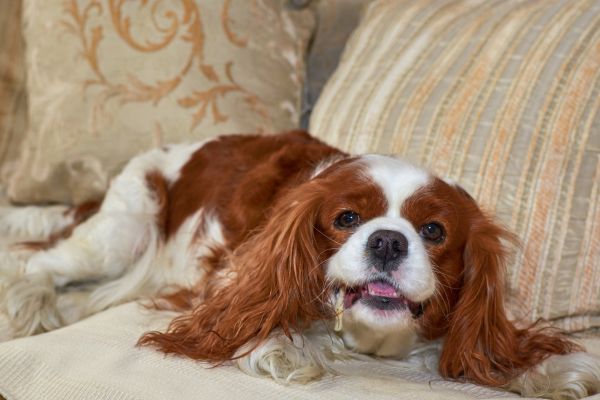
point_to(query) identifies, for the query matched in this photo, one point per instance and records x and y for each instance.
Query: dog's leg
(34, 222)
(118, 244)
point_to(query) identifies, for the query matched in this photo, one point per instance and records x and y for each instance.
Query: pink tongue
(381, 289)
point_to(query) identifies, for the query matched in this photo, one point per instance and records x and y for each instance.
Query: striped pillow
(505, 98)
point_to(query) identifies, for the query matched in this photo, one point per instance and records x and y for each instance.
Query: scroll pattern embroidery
(171, 24)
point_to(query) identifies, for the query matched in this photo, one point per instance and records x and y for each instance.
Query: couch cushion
(503, 97)
(97, 359)
(108, 79)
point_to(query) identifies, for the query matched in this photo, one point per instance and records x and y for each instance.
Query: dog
(281, 253)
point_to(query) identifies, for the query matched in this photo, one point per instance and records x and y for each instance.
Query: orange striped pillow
(505, 98)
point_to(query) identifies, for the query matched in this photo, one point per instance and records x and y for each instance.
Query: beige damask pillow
(110, 78)
(505, 98)
(13, 104)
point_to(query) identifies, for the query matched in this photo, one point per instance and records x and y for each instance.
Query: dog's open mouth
(381, 295)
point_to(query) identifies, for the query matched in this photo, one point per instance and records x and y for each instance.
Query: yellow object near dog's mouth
(339, 309)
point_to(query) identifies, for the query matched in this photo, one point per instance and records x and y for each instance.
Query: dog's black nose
(387, 248)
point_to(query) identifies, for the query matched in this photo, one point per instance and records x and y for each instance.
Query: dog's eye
(433, 232)
(346, 220)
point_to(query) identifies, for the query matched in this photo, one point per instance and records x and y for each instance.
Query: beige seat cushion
(109, 79)
(504, 97)
(97, 359)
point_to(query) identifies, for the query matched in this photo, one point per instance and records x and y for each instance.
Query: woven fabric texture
(97, 359)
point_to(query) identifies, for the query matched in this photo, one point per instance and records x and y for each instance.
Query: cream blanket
(97, 359)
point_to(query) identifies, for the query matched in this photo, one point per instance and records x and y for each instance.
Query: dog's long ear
(274, 281)
(482, 345)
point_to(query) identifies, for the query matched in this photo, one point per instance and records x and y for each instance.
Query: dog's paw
(6, 330)
(570, 376)
(284, 361)
(28, 305)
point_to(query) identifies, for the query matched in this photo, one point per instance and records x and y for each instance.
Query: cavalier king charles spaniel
(281, 254)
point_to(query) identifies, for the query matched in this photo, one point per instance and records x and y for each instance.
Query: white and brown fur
(241, 235)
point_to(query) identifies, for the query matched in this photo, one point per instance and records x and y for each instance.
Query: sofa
(500, 96)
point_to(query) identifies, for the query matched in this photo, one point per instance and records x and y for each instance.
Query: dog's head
(389, 251)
